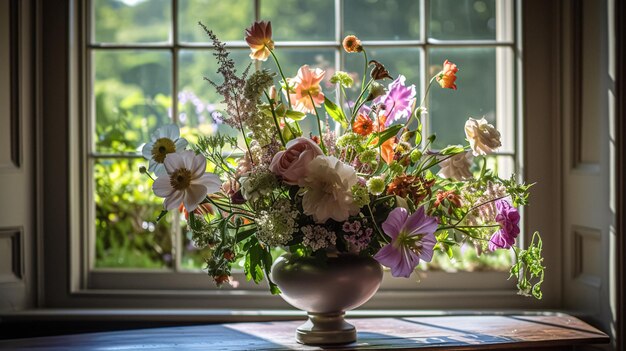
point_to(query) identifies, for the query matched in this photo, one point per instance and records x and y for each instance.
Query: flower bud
(407, 136)
(375, 90)
(415, 155)
(143, 170)
(272, 92)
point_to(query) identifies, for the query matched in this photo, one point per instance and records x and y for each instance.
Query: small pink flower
(292, 163)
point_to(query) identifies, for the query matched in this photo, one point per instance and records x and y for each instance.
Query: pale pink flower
(457, 167)
(306, 83)
(483, 137)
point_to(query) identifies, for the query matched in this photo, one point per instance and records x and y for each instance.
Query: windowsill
(223, 315)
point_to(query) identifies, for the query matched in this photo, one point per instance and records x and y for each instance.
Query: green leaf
(267, 265)
(274, 289)
(245, 234)
(161, 215)
(452, 150)
(295, 115)
(335, 112)
(256, 261)
(387, 134)
(418, 135)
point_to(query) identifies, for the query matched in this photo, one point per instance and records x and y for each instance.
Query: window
(145, 60)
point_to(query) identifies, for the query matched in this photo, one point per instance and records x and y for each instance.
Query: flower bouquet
(371, 188)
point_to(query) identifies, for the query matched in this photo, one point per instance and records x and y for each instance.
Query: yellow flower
(259, 38)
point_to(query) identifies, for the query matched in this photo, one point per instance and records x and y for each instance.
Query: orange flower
(306, 83)
(229, 255)
(387, 150)
(352, 44)
(363, 125)
(451, 196)
(221, 279)
(202, 210)
(447, 76)
(414, 187)
(259, 38)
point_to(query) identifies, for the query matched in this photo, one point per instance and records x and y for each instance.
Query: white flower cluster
(276, 226)
(256, 185)
(317, 237)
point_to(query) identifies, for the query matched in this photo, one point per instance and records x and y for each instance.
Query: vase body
(326, 292)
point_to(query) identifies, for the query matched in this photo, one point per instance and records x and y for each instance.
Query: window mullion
(339, 54)
(424, 66)
(176, 234)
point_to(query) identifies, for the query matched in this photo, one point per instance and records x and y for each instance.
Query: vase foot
(326, 329)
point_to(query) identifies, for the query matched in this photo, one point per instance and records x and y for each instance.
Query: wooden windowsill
(475, 332)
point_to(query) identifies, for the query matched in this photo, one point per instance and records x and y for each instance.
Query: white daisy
(165, 140)
(186, 181)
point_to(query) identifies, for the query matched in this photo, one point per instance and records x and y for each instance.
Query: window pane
(292, 59)
(198, 100)
(131, 97)
(127, 235)
(467, 259)
(382, 19)
(131, 21)
(240, 14)
(475, 97)
(405, 61)
(294, 20)
(504, 166)
(193, 258)
(463, 19)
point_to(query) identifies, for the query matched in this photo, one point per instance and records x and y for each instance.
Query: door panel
(17, 229)
(587, 166)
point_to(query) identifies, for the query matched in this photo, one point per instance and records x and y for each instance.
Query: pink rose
(291, 164)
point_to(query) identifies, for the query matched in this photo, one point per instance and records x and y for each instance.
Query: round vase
(326, 292)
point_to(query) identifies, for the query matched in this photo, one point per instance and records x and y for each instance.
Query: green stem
(241, 127)
(319, 124)
(468, 226)
(358, 103)
(376, 224)
(364, 71)
(243, 132)
(406, 126)
(345, 98)
(281, 74)
(477, 206)
(227, 210)
(280, 134)
(483, 170)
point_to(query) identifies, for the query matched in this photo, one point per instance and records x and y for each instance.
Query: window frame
(481, 294)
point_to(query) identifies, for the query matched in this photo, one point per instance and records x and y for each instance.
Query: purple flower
(412, 239)
(398, 101)
(508, 218)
